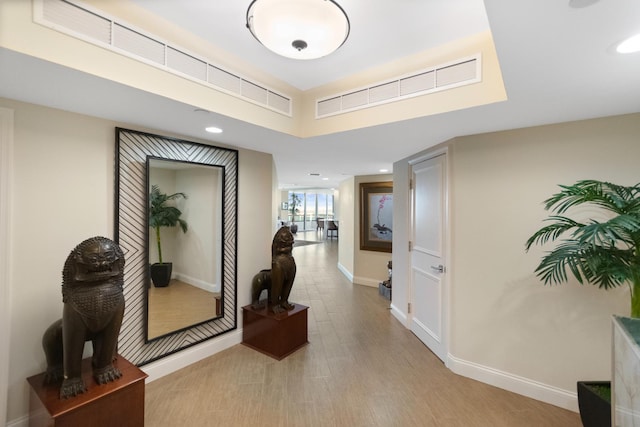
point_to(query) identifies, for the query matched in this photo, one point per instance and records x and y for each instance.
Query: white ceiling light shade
(298, 29)
(630, 45)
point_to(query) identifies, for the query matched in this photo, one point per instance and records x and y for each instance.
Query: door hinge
(410, 184)
(410, 246)
(408, 308)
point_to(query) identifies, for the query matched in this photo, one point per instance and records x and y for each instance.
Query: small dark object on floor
(384, 290)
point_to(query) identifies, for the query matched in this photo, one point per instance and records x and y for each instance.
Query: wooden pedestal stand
(276, 335)
(119, 403)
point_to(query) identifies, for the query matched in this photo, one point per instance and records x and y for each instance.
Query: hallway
(360, 368)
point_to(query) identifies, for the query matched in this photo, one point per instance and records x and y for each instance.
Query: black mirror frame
(131, 233)
(221, 250)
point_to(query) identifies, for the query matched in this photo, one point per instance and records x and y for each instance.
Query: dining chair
(332, 228)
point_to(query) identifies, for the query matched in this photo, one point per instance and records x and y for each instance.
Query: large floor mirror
(198, 300)
(192, 293)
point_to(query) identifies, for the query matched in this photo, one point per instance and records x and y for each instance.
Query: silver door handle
(439, 269)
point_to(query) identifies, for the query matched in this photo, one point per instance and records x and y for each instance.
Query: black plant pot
(161, 274)
(294, 228)
(595, 410)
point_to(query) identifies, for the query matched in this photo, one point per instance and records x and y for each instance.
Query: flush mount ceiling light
(298, 29)
(630, 45)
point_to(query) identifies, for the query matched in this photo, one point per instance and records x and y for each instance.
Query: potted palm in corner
(602, 253)
(294, 202)
(163, 214)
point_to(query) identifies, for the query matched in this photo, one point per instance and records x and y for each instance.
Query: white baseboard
(366, 281)
(20, 422)
(514, 383)
(346, 272)
(504, 380)
(191, 355)
(206, 286)
(402, 317)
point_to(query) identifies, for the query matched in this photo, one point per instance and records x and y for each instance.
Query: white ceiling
(556, 60)
(381, 31)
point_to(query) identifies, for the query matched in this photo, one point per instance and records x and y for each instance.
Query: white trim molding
(514, 383)
(6, 192)
(346, 272)
(182, 359)
(366, 281)
(400, 315)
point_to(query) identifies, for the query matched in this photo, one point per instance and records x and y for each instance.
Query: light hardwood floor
(178, 306)
(360, 368)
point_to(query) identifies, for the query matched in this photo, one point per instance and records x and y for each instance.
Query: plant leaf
(552, 231)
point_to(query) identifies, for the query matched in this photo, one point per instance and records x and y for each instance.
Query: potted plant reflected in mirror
(605, 253)
(163, 214)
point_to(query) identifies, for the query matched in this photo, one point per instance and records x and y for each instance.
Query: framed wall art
(376, 216)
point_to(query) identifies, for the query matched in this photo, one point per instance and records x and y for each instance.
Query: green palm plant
(602, 253)
(161, 214)
(294, 202)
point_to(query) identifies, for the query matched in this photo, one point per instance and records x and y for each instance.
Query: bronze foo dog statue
(92, 281)
(279, 280)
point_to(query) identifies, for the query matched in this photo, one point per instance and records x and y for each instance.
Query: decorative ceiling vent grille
(447, 76)
(83, 22)
(137, 44)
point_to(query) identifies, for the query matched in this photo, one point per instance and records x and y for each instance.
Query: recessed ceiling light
(384, 170)
(213, 129)
(325, 179)
(581, 3)
(630, 45)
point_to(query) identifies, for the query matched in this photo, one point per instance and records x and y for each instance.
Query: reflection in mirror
(193, 294)
(203, 259)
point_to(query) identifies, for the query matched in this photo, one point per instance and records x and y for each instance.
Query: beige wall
(558, 334)
(367, 268)
(63, 187)
(346, 233)
(506, 327)
(370, 267)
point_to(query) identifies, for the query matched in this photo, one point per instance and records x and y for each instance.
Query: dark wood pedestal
(119, 403)
(276, 335)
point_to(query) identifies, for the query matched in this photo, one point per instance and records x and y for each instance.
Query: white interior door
(428, 297)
